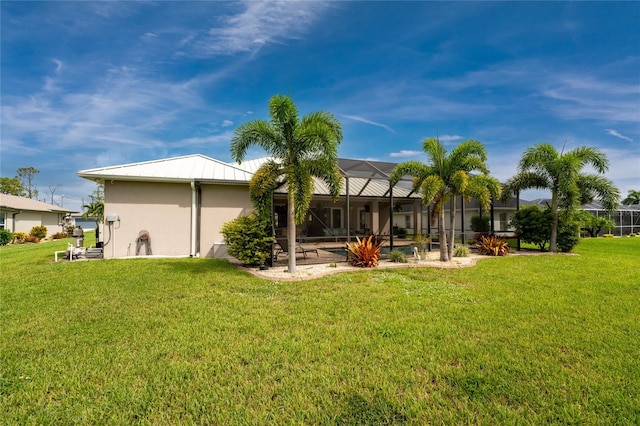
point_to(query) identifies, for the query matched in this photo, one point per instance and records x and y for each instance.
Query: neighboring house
(183, 202)
(20, 214)
(626, 218)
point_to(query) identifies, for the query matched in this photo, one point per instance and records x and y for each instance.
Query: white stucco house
(20, 214)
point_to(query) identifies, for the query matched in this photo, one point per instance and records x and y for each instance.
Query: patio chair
(283, 248)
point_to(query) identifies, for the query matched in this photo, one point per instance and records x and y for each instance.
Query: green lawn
(515, 340)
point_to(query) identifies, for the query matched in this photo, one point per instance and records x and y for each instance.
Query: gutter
(195, 208)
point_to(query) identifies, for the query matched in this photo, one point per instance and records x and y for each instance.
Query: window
(2, 220)
(504, 221)
(336, 218)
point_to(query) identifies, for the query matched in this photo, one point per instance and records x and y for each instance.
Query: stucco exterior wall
(26, 220)
(220, 204)
(163, 209)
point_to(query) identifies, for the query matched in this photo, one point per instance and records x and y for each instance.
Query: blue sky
(91, 84)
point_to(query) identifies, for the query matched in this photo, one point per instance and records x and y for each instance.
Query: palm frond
(255, 133)
(592, 156)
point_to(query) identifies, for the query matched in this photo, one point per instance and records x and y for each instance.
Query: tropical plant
(301, 149)
(543, 167)
(95, 209)
(446, 176)
(633, 197)
(365, 253)
(493, 246)
(248, 239)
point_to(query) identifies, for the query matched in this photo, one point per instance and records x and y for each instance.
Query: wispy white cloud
(148, 36)
(258, 24)
(222, 139)
(449, 138)
(227, 123)
(364, 120)
(618, 135)
(403, 153)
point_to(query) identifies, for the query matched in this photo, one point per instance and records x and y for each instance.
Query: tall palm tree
(543, 167)
(632, 198)
(446, 176)
(301, 149)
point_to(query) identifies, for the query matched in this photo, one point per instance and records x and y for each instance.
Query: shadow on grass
(379, 411)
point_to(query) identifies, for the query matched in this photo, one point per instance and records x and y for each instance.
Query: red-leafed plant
(366, 252)
(493, 246)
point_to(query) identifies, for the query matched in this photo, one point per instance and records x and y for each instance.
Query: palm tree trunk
(452, 224)
(291, 234)
(442, 236)
(554, 222)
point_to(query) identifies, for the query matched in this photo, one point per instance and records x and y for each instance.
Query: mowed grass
(515, 340)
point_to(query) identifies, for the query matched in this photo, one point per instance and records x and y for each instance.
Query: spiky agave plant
(365, 253)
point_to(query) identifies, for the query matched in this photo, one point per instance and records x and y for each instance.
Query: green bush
(248, 239)
(461, 251)
(533, 225)
(5, 237)
(568, 236)
(480, 224)
(38, 231)
(397, 256)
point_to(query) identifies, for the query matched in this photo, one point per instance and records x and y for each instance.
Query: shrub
(18, 237)
(461, 251)
(480, 224)
(59, 235)
(402, 233)
(31, 239)
(493, 246)
(607, 235)
(248, 239)
(397, 256)
(568, 236)
(5, 237)
(366, 252)
(38, 231)
(533, 225)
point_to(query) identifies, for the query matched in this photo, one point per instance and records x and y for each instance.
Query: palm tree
(446, 176)
(543, 167)
(632, 198)
(301, 150)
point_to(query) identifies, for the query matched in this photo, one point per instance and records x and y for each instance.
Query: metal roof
(182, 169)
(366, 179)
(13, 202)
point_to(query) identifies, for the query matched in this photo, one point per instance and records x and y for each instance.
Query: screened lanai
(365, 206)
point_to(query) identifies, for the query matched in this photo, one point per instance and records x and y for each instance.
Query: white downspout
(193, 218)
